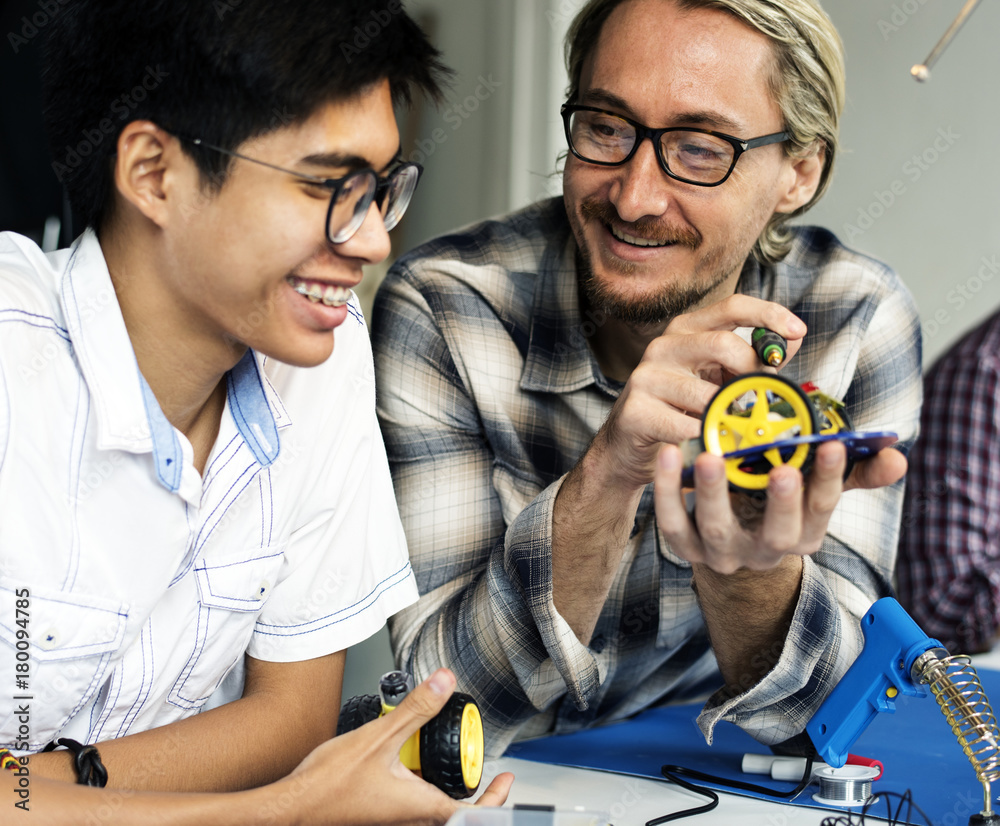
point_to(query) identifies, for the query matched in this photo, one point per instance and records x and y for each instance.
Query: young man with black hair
(192, 483)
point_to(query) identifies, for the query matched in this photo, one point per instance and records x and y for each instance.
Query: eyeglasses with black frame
(700, 157)
(350, 196)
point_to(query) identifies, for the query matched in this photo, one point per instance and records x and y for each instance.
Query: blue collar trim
(249, 408)
(251, 412)
(167, 454)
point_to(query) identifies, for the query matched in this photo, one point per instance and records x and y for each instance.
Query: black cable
(673, 773)
(713, 799)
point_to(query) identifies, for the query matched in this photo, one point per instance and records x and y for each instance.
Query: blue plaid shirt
(488, 394)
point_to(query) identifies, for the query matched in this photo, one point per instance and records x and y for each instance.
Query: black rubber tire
(441, 749)
(357, 711)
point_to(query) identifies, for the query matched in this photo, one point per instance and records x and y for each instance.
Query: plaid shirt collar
(558, 358)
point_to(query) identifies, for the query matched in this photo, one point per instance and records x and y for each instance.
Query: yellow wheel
(833, 419)
(833, 416)
(754, 410)
(473, 747)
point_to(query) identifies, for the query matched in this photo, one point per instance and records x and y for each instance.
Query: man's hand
(662, 402)
(885, 468)
(358, 777)
(794, 517)
(794, 520)
(679, 373)
(747, 572)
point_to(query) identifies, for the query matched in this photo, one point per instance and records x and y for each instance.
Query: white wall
(934, 144)
(917, 183)
(493, 145)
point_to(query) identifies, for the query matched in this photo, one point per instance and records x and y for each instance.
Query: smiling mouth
(331, 295)
(635, 240)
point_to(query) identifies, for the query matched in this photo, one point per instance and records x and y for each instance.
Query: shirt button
(262, 590)
(48, 640)
(597, 644)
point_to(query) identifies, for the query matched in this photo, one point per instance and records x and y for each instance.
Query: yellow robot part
(742, 416)
(473, 750)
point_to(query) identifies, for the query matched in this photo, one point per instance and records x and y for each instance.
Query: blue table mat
(915, 744)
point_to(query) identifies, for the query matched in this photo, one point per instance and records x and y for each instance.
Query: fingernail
(440, 681)
(709, 471)
(829, 458)
(781, 484)
(669, 459)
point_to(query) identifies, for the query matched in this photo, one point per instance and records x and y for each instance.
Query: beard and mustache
(670, 299)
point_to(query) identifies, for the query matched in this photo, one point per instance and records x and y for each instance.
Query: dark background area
(29, 190)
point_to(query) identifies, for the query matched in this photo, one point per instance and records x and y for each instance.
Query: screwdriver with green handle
(771, 348)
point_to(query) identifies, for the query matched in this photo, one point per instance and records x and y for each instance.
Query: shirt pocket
(231, 593)
(72, 639)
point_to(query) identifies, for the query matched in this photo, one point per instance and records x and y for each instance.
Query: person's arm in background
(356, 778)
(949, 551)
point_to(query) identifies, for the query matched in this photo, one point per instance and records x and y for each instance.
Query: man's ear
(803, 177)
(148, 167)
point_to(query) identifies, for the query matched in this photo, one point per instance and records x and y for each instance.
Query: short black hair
(223, 71)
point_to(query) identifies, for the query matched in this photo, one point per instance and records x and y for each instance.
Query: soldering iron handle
(880, 673)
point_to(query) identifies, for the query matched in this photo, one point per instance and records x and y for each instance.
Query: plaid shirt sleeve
(949, 556)
(486, 607)
(487, 615)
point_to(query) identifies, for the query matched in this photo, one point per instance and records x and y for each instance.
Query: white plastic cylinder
(791, 768)
(758, 763)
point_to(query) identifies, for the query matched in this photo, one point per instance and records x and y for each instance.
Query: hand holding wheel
(448, 751)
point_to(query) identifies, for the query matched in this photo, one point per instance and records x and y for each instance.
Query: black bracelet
(90, 770)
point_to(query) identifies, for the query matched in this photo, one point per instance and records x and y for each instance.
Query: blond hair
(807, 82)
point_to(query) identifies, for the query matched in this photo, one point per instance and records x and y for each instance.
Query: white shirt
(147, 580)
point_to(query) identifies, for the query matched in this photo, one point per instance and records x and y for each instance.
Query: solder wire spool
(848, 786)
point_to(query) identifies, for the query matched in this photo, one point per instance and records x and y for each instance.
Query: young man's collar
(127, 414)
